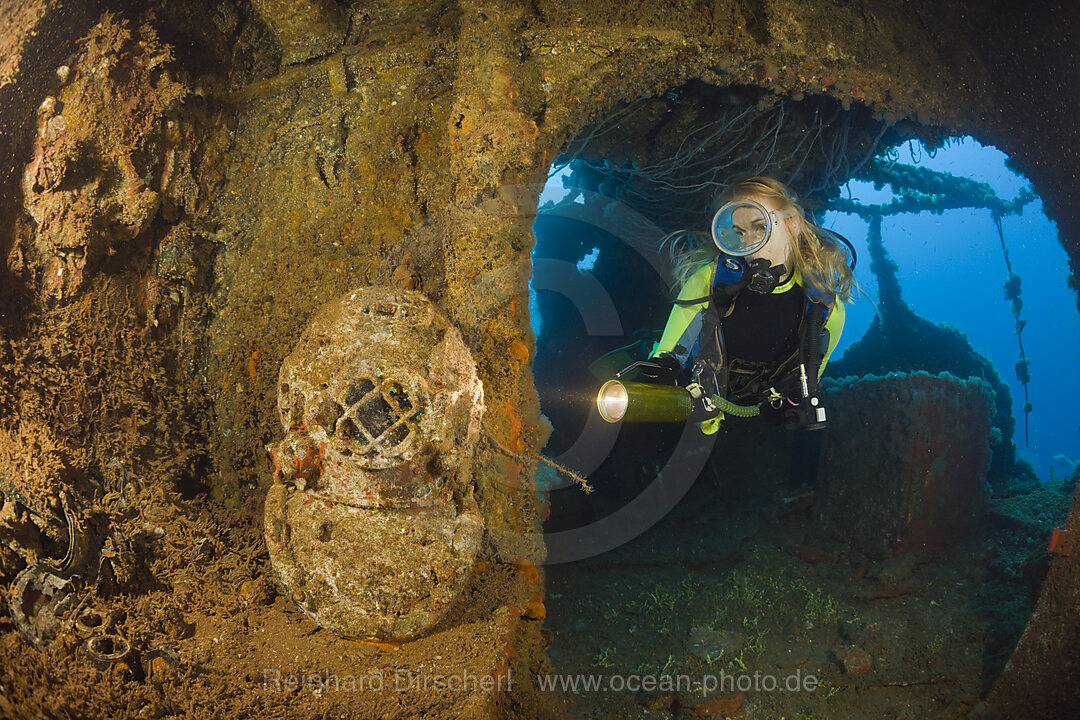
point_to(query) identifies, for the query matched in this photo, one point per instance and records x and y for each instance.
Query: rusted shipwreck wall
(184, 186)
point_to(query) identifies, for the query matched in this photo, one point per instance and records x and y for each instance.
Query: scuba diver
(760, 309)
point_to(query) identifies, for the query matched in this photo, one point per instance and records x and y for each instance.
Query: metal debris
(204, 548)
(38, 601)
(156, 661)
(49, 596)
(43, 593)
(90, 622)
(108, 650)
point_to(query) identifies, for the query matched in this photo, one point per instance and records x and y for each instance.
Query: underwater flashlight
(620, 401)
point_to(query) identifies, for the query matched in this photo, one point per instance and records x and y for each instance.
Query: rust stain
(253, 371)
(513, 473)
(528, 569)
(1060, 543)
(516, 441)
(536, 609)
(519, 351)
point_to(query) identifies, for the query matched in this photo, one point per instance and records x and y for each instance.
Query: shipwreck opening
(647, 168)
(766, 549)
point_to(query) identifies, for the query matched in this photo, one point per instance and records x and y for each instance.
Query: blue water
(951, 270)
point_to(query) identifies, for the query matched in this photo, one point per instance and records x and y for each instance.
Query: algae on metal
(371, 521)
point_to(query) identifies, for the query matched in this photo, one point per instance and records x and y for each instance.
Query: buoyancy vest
(741, 342)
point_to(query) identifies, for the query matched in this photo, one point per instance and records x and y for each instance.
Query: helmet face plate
(742, 227)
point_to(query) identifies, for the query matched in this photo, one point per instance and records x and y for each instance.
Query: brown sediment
(221, 171)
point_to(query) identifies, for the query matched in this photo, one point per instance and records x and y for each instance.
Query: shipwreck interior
(730, 571)
(298, 365)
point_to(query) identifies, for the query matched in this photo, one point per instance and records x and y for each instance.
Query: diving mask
(743, 227)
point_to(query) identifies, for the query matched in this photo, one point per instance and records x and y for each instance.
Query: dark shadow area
(565, 382)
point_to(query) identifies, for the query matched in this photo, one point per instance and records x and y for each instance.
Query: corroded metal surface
(371, 522)
(365, 572)
(906, 459)
(303, 30)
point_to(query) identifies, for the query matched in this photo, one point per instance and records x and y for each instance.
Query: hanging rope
(917, 189)
(1012, 294)
(698, 138)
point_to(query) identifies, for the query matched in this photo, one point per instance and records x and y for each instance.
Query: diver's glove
(665, 369)
(704, 411)
(702, 407)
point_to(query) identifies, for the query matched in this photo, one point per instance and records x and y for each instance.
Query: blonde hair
(821, 262)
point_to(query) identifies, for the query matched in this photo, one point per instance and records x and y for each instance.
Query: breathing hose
(730, 408)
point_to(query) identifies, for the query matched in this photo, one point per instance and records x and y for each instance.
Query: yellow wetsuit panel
(698, 285)
(835, 325)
